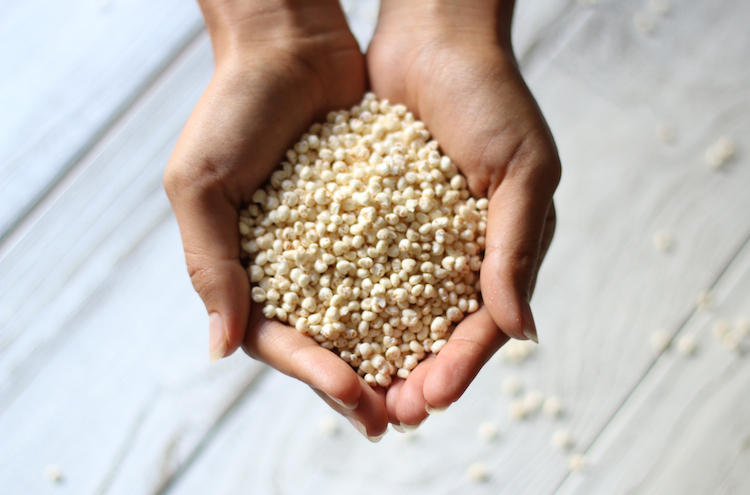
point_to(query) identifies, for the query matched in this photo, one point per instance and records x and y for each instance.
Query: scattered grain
(552, 407)
(328, 425)
(720, 328)
(478, 472)
(663, 241)
(511, 386)
(517, 410)
(665, 132)
(53, 473)
(644, 23)
(687, 345)
(488, 431)
(562, 439)
(659, 7)
(719, 153)
(660, 340)
(578, 463)
(533, 401)
(705, 301)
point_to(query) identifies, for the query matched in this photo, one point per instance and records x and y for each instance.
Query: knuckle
(524, 262)
(202, 275)
(204, 178)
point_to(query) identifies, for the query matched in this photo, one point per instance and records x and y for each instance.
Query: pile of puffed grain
(367, 240)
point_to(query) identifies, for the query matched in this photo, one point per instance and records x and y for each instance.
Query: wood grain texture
(114, 202)
(603, 290)
(104, 350)
(125, 392)
(69, 69)
(686, 427)
(103, 342)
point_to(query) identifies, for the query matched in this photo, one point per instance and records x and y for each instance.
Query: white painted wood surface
(103, 353)
(103, 345)
(69, 69)
(603, 292)
(686, 427)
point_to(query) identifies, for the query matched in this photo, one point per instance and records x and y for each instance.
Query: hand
(453, 66)
(278, 68)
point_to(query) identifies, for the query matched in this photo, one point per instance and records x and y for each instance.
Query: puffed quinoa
(663, 241)
(644, 23)
(562, 439)
(660, 340)
(367, 239)
(488, 431)
(328, 425)
(552, 407)
(511, 386)
(659, 7)
(533, 401)
(53, 473)
(720, 328)
(517, 410)
(516, 351)
(478, 472)
(720, 152)
(743, 326)
(705, 301)
(687, 345)
(665, 132)
(578, 463)
(732, 342)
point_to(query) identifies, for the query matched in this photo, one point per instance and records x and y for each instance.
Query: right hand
(278, 68)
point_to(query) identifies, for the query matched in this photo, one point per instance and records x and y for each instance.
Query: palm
(250, 114)
(475, 103)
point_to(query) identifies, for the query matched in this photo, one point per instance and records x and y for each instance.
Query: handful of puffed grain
(367, 240)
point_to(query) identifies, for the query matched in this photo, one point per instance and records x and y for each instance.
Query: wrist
(238, 28)
(478, 22)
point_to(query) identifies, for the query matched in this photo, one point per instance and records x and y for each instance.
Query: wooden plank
(604, 288)
(70, 249)
(69, 69)
(102, 372)
(143, 409)
(685, 429)
(126, 393)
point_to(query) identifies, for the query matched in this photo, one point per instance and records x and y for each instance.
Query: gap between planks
(100, 140)
(681, 326)
(225, 416)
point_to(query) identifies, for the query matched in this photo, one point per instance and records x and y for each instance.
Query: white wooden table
(103, 344)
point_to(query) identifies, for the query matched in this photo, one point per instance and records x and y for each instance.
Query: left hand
(453, 67)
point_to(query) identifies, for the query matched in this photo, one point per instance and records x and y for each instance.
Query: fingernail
(342, 404)
(361, 428)
(434, 411)
(531, 335)
(529, 327)
(217, 337)
(408, 428)
(398, 428)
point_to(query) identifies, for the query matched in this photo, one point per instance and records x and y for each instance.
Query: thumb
(209, 226)
(515, 244)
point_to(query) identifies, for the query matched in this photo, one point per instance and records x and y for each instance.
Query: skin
(282, 65)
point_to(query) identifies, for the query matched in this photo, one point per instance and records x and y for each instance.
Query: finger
(410, 410)
(299, 356)
(516, 222)
(391, 400)
(210, 235)
(471, 345)
(367, 416)
(549, 231)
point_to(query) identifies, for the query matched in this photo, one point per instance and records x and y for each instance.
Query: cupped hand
(452, 65)
(277, 70)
